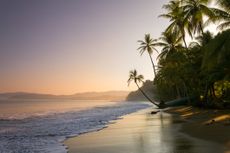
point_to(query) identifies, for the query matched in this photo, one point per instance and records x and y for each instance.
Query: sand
(206, 124)
(142, 132)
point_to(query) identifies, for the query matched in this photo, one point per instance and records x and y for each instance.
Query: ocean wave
(44, 134)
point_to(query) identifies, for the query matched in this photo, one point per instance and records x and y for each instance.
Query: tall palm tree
(148, 45)
(133, 76)
(178, 22)
(195, 10)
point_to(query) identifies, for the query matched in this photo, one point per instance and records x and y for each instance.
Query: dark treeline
(200, 68)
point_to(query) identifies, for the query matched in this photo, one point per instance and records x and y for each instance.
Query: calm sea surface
(19, 109)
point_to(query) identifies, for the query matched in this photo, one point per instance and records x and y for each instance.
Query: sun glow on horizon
(72, 47)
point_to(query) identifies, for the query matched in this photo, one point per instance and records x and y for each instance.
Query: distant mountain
(147, 87)
(108, 95)
(25, 95)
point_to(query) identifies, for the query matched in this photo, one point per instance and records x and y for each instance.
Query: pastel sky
(69, 46)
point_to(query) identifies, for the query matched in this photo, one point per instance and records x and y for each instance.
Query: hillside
(147, 87)
(108, 95)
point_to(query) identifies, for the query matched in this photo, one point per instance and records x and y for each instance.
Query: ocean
(40, 126)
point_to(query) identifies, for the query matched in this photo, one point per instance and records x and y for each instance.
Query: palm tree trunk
(185, 44)
(146, 96)
(186, 90)
(154, 69)
(178, 92)
(183, 36)
(213, 90)
(206, 92)
(187, 93)
(201, 28)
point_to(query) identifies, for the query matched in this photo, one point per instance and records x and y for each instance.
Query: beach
(206, 124)
(143, 132)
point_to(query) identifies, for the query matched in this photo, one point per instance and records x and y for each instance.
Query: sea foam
(44, 134)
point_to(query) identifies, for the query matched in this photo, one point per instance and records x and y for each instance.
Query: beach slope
(142, 132)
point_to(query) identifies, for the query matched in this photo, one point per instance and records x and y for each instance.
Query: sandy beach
(206, 124)
(143, 132)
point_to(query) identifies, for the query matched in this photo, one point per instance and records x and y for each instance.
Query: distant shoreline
(107, 95)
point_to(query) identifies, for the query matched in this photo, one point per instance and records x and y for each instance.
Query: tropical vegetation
(133, 76)
(148, 45)
(198, 68)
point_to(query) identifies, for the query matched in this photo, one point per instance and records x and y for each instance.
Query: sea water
(40, 126)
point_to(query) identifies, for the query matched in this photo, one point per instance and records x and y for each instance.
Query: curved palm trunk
(147, 96)
(154, 69)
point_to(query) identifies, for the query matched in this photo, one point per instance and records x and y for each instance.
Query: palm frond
(223, 26)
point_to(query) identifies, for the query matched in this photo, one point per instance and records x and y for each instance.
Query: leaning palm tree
(133, 76)
(148, 45)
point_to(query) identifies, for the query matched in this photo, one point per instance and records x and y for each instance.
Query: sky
(70, 46)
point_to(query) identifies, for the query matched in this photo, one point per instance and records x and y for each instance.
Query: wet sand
(206, 124)
(142, 132)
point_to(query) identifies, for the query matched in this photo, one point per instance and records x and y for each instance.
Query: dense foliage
(199, 69)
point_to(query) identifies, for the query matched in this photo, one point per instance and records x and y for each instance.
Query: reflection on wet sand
(141, 132)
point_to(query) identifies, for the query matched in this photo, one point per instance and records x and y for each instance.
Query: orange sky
(75, 46)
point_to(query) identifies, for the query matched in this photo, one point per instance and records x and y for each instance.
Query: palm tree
(148, 45)
(170, 43)
(222, 15)
(216, 63)
(225, 4)
(205, 39)
(195, 10)
(133, 76)
(217, 53)
(225, 25)
(225, 18)
(176, 16)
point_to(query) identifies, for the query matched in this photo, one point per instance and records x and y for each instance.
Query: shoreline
(206, 124)
(142, 131)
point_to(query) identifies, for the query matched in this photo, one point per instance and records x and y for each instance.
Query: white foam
(44, 134)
